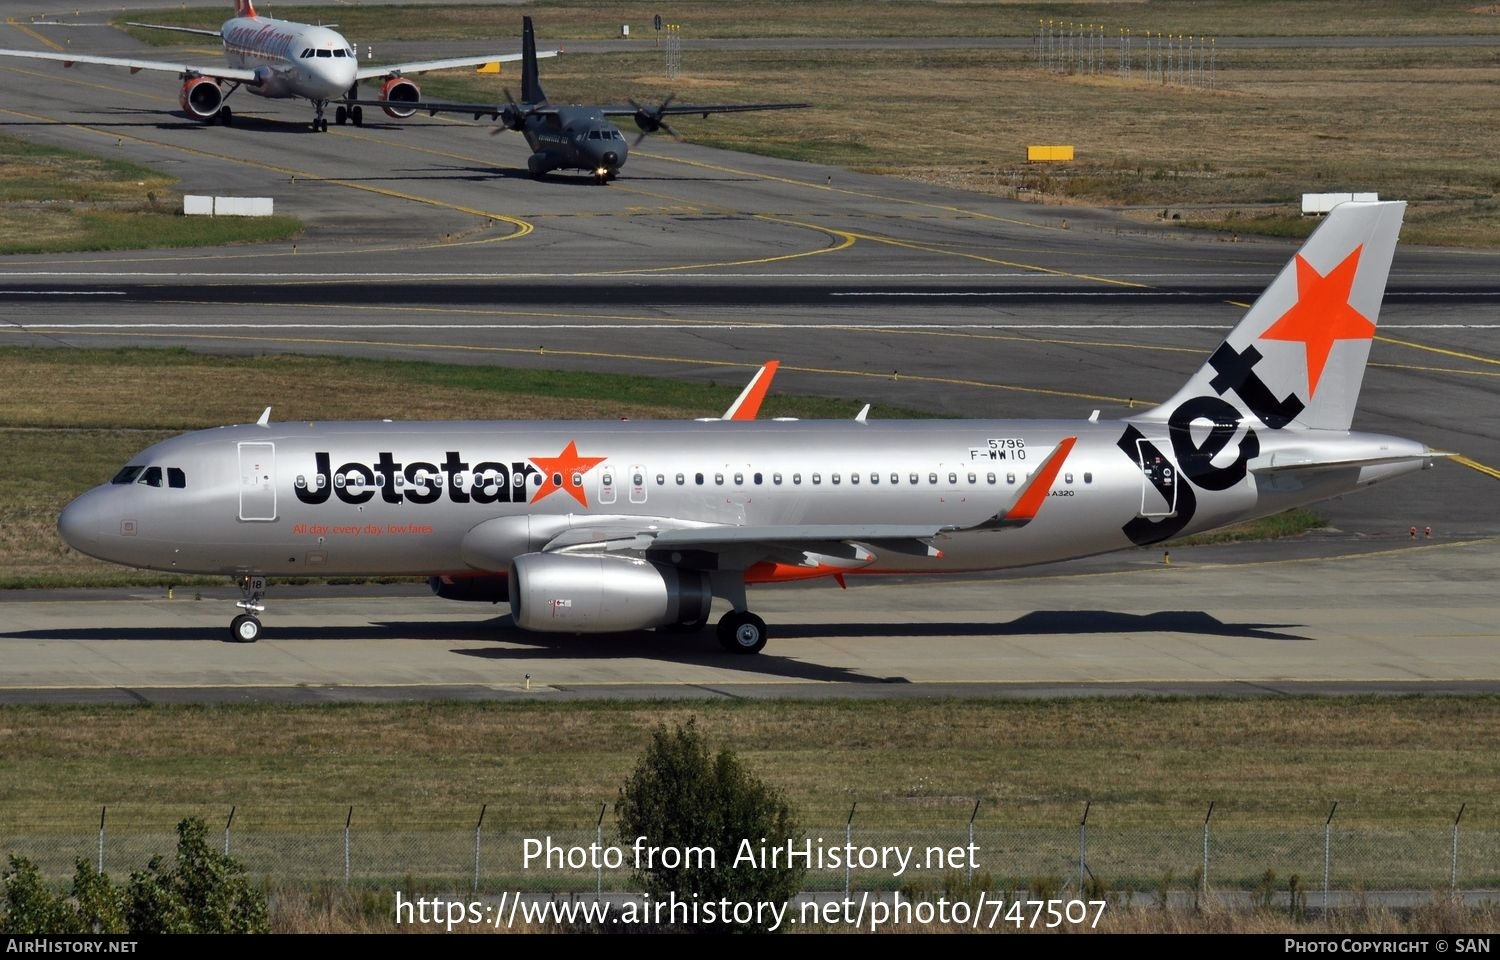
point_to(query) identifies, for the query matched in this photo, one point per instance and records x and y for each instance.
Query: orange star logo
(1322, 315)
(558, 473)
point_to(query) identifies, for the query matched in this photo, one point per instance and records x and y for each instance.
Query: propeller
(651, 121)
(512, 117)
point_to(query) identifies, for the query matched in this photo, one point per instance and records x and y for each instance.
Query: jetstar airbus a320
(280, 60)
(592, 527)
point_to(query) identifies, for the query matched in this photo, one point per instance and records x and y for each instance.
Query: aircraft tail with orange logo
(244, 8)
(1298, 357)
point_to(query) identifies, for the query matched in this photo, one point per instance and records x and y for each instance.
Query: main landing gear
(245, 628)
(343, 115)
(741, 631)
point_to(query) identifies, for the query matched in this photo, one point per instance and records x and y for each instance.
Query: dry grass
(55, 200)
(1390, 762)
(598, 19)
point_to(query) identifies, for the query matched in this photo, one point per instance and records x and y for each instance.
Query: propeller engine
(651, 120)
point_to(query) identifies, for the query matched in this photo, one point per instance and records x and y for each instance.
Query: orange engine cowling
(398, 90)
(201, 97)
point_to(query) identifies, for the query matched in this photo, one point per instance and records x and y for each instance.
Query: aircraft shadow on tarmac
(1054, 623)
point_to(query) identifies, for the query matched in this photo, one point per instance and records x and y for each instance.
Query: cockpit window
(594, 135)
(325, 53)
(351, 52)
(176, 479)
(307, 53)
(339, 52)
(151, 477)
(616, 135)
(127, 474)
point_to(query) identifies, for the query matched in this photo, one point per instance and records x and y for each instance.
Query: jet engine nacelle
(561, 593)
(398, 90)
(491, 589)
(201, 98)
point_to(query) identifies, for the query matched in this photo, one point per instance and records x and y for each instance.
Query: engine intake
(397, 90)
(201, 98)
(559, 593)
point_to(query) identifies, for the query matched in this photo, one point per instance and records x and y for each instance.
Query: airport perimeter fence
(1148, 863)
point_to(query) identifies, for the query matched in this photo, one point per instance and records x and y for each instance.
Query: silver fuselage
(391, 498)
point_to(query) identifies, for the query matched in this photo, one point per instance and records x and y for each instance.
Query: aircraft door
(606, 484)
(637, 483)
(1158, 481)
(257, 481)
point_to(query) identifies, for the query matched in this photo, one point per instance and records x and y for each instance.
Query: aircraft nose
(79, 523)
(611, 159)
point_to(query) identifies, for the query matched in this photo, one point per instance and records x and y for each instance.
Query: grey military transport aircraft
(576, 136)
(599, 527)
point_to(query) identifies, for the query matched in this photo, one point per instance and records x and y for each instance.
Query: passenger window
(681, 479)
(698, 479)
(990, 479)
(127, 474)
(932, 478)
(797, 479)
(854, 478)
(874, 478)
(661, 479)
(953, 479)
(152, 477)
(817, 478)
(895, 478)
(719, 479)
(775, 478)
(338, 480)
(380, 480)
(757, 479)
(609, 480)
(835, 478)
(1067, 478)
(1088, 477)
(300, 482)
(322, 481)
(1010, 478)
(739, 479)
(972, 478)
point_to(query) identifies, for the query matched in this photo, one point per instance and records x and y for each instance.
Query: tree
(205, 891)
(679, 798)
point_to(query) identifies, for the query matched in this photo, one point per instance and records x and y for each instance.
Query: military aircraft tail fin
(1298, 356)
(531, 84)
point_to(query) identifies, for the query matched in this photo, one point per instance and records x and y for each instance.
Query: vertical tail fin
(531, 85)
(1298, 357)
(244, 8)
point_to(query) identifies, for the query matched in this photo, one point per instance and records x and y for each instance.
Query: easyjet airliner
(281, 59)
(589, 527)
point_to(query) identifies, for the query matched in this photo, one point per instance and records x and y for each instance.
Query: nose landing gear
(245, 628)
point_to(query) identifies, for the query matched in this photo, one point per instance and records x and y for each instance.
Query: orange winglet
(747, 405)
(1040, 486)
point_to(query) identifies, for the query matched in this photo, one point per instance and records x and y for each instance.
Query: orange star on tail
(1322, 314)
(558, 473)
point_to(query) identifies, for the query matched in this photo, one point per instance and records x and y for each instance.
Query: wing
(136, 66)
(422, 66)
(825, 547)
(162, 26)
(683, 109)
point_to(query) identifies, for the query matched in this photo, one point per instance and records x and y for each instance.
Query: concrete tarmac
(1329, 616)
